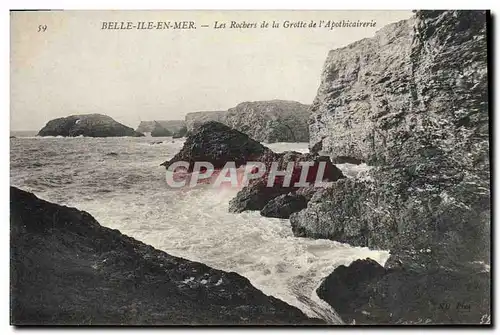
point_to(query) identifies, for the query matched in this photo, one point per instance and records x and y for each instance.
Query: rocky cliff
(91, 125)
(196, 119)
(265, 121)
(418, 82)
(182, 132)
(413, 101)
(171, 125)
(67, 269)
(271, 121)
(366, 293)
(216, 143)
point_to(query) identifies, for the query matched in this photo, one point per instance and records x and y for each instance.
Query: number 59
(42, 28)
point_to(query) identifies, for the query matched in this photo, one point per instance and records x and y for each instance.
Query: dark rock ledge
(88, 125)
(67, 269)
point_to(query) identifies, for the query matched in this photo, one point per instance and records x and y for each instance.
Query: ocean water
(121, 183)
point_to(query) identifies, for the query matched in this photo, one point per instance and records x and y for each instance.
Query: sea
(120, 182)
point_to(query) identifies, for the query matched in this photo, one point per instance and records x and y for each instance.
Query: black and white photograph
(318, 168)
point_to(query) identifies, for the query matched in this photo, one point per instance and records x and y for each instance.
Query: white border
(188, 4)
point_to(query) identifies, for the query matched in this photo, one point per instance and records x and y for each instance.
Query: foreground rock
(264, 121)
(171, 125)
(367, 293)
(91, 125)
(431, 189)
(196, 119)
(216, 143)
(421, 117)
(423, 225)
(68, 269)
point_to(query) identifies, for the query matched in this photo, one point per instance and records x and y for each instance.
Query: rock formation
(413, 101)
(216, 143)
(23, 133)
(171, 125)
(415, 80)
(366, 293)
(91, 125)
(182, 132)
(196, 119)
(257, 194)
(431, 186)
(67, 269)
(160, 131)
(284, 205)
(271, 121)
(264, 121)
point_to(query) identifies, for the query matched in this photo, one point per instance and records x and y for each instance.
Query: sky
(73, 66)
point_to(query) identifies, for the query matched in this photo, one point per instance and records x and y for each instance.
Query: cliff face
(265, 121)
(216, 143)
(419, 82)
(91, 125)
(413, 101)
(68, 269)
(271, 121)
(361, 84)
(171, 125)
(196, 119)
(366, 293)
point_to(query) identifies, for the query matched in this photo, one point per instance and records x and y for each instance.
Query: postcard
(195, 167)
